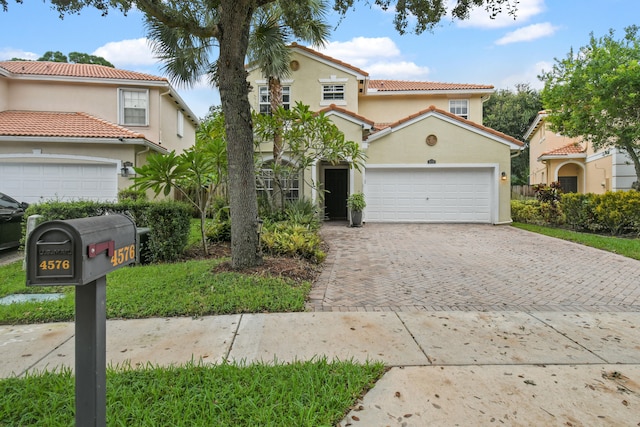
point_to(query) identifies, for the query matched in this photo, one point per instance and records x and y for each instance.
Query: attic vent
(295, 65)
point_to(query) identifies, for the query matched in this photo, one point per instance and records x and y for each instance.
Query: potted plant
(356, 204)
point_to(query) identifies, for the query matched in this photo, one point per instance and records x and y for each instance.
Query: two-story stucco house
(428, 156)
(74, 131)
(574, 163)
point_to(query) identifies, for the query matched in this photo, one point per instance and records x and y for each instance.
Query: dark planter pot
(356, 218)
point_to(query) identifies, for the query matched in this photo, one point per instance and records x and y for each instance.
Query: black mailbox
(78, 251)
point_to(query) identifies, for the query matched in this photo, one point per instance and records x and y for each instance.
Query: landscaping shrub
(166, 220)
(169, 223)
(285, 238)
(526, 211)
(618, 212)
(302, 212)
(549, 197)
(614, 212)
(578, 211)
(131, 194)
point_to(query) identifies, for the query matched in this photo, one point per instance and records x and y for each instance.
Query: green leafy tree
(595, 94)
(307, 137)
(197, 174)
(75, 58)
(511, 112)
(85, 58)
(52, 56)
(200, 25)
(269, 50)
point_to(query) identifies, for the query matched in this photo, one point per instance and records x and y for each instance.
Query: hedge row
(168, 222)
(614, 212)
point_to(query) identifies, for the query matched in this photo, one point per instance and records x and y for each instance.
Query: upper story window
(180, 124)
(459, 107)
(332, 92)
(134, 107)
(265, 100)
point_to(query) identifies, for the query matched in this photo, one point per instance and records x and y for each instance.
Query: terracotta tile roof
(63, 69)
(433, 108)
(572, 148)
(334, 107)
(59, 124)
(408, 86)
(329, 58)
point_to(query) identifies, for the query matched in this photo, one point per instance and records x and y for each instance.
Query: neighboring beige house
(429, 158)
(574, 163)
(74, 131)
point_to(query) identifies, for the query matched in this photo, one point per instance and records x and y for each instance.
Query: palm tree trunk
(235, 19)
(275, 100)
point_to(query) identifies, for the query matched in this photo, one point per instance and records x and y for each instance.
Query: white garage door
(429, 195)
(37, 182)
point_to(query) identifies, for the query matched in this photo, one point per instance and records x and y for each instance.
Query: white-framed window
(459, 107)
(134, 107)
(333, 92)
(264, 100)
(289, 181)
(180, 124)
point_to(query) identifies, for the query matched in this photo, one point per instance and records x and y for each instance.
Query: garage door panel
(37, 182)
(429, 195)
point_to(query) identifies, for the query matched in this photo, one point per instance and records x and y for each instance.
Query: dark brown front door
(335, 199)
(568, 184)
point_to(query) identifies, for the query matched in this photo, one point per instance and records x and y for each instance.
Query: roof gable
(573, 149)
(452, 118)
(348, 115)
(306, 51)
(65, 69)
(60, 124)
(422, 86)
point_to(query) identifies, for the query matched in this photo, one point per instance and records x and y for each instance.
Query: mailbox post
(80, 252)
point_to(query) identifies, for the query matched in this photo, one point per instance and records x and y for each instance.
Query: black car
(11, 214)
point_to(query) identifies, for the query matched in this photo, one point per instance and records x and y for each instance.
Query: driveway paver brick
(468, 267)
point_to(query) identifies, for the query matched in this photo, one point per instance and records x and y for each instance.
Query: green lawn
(317, 393)
(162, 290)
(624, 246)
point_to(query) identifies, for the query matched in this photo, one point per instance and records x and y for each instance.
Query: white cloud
(134, 52)
(480, 18)
(8, 53)
(401, 70)
(379, 56)
(528, 75)
(528, 33)
(362, 50)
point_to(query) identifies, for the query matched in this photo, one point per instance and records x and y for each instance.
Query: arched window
(289, 181)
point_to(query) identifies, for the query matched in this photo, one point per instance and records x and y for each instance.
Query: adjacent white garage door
(429, 195)
(37, 182)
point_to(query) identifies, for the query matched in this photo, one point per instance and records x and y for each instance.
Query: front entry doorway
(336, 184)
(568, 184)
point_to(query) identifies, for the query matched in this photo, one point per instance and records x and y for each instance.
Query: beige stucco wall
(456, 145)
(542, 141)
(4, 94)
(306, 86)
(101, 101)
(391, 108)
(599, 172)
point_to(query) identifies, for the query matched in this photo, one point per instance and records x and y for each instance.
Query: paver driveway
(405, 267)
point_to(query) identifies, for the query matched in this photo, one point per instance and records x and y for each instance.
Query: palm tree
(269, 49)
(186, 40)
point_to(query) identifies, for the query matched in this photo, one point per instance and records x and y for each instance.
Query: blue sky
(501, 52)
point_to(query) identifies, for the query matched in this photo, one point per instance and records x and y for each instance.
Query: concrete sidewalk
(447, 367)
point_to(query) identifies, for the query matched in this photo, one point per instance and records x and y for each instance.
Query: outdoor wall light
(125, 171)
(503, 176)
